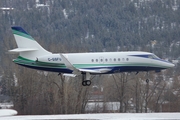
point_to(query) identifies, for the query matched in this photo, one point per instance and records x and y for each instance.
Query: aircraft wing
(101, 70)
(69, 75)
(78, 71)
(69, 65)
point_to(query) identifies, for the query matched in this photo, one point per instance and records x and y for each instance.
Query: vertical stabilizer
(27, 46)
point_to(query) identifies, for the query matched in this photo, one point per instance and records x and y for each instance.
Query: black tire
(88, 82)
(147, 80)
(84, 83)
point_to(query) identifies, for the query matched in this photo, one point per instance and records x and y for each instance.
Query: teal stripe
(114, 65)
(22, 34)
(21, 60)
(25, 59)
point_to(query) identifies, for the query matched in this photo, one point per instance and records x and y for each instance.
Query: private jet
(33, 55)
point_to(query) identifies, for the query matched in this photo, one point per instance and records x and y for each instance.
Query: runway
(106, 116)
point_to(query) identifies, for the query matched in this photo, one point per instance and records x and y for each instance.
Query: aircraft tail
(27, 47)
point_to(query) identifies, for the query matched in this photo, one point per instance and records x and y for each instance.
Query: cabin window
(114, 59)
(92, 60)
(106, 59)
(119, 59)
(127, 59)
(123, 59)
(110, 59)
(101, 60)
(96, 60)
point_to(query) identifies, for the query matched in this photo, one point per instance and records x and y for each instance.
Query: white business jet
(33, 55)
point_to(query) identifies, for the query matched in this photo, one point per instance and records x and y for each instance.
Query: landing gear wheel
(86, 83)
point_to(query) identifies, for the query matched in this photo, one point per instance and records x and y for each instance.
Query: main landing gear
(86, 82)
(86, 79)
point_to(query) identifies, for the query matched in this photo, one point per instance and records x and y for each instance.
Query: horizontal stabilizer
(18, 50)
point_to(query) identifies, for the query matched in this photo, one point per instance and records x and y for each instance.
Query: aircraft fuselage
(114, 61)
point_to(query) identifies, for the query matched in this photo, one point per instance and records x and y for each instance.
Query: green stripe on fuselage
(24, 61)
(22, 34)
(114, 65)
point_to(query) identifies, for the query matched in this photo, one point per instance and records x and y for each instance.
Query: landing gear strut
(147, 80)
(86, 79)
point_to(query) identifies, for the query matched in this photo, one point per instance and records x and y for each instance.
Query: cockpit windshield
(152, 56)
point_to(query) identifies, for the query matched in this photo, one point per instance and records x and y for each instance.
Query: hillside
(95, 25)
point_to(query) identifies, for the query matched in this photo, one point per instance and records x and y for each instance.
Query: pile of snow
(7, 112)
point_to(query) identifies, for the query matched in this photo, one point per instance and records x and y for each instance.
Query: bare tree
(119, 87)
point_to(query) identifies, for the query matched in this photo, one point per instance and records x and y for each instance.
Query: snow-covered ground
(110, 116)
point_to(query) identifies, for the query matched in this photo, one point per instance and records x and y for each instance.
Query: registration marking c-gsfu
(54, 59)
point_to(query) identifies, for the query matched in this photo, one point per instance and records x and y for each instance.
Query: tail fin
(27, 46)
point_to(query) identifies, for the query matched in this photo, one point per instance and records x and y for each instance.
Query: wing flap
(101, 70)
(70, 75)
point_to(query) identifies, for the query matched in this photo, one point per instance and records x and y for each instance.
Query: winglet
(66, 62)
(69, 65)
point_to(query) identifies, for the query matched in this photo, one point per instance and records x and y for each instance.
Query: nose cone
(167, 64)
(170, 65)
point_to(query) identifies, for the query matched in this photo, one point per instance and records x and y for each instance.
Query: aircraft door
(101, 60)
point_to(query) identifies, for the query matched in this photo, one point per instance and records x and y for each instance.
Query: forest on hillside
(99, 25)
(91, 26)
